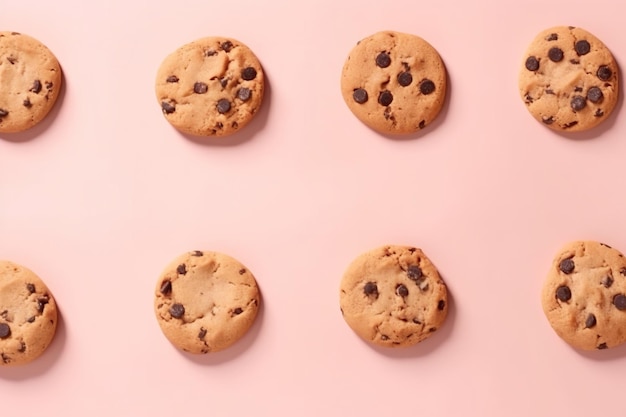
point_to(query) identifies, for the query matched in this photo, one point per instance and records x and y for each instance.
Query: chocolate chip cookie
(584, 295)
(394, 82)
(393, 296)
(210, 87)
(569, 79)
(205, 301)
(28, 315)
(30, 76)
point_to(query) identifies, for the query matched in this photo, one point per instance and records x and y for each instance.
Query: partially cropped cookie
(584, 295)
(569, 79)
(213, 86)
(394, 82)
(205, 301)
(30, 76)
(28, 315)
(393, 296)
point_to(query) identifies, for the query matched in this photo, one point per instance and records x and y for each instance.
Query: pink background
(102, 195)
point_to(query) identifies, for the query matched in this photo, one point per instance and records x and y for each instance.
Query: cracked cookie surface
(393, 296)
(205, 301)
(210, 87)
(584, 295)
(394, 82)
(30, 76)
(28, 315)
(569, 79)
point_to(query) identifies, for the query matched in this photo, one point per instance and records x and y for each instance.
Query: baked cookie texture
(584, 295)
(28, 315)
(213, 86)
(394, 82)
(393, 296)
(30, 76)
(569, 79)
(205, 301)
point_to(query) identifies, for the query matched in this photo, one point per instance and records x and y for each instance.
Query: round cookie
(210, 87)
(394, 82)
(584, 295)
(28, 315)
(30, 77)
(205, 301)
(393, 296)
(569, 79)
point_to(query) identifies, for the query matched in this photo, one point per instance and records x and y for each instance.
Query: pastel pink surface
(105, 192)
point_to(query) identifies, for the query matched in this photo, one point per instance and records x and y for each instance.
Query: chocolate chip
(370, 288)
(30, 288)
(237, 311)
(602, 346)
(166, 287)
(383, 60)
(12, 60)
(441, 305)
(623, 271)
(226, 46)
(36, 88)
(248, 73)
(359, 95)
(22, 347)
(27, 103)
(242, 271)
(5, 331)
(31, 319)
(567, 266)
(177, 310)
(582, 47)
(224, 82)
(427, 86)
(172, 79)
(200, 88)
(574, 61)
(604, 73)
(422, 124)
(607, 281)
(570, 124)
(223, 106)
(552, 37)
(594, 94)
(3, 113)
(555, 54)
(549, 91)
(201, 333)
(385, 98)
(49, 85)
(414, 272)
(402, 290)
(578, 103)
(244, 94)
(41, 303)
(532, 63)
(196, 253)
(619, 301)
(548, 120)
(578, 89)
(563, 293)
(599, 113)
(405, 79)
(182, 269)
(211, 52)
(167, 107)
(591, 321)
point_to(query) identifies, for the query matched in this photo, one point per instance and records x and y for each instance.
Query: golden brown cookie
(205, 301)
(210, 87)
(28, 315)
(30, 76)
(569, 79)
(393, 296)
(394, 82)
(584, 295)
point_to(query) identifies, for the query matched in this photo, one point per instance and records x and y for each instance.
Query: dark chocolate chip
(582, 47)
(532, 63)
(552, 37)
(548, 120)
(441, 305)
(567, 266)
(167, 107)
(211, 52)
(22, 347)
(248, 73)
(594, 94)
(555, 54)
(242, 271)
(623, 271)
(402, 290)
(619, 301)
(570, 124)
(31, 319)
(5, 331)
(432, 329)
(602, 346)
(414, 272)
(422, 124)
(27, 103)
(3, 113)
(549, 91)
(181, 269)
(574, 61)
(237, 311)
(196, 253)
(599, 113)
(31, 288)
(200, 88)
(244, 94)
(385, 98)
(563, 293)
(359, 95)
(226, 46)
(223, 106)
(49, 85)
(427, 86)
(607, 281)
(383, 60)
(172, 79)
(591, 321)
(604, 73)
(578, 89)
(41, 303)
(166, 287)
(201, 333)
(177, 310)
(370, 288)
(36, 88)
(223, 82)
(578, 103)
(405, 78)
